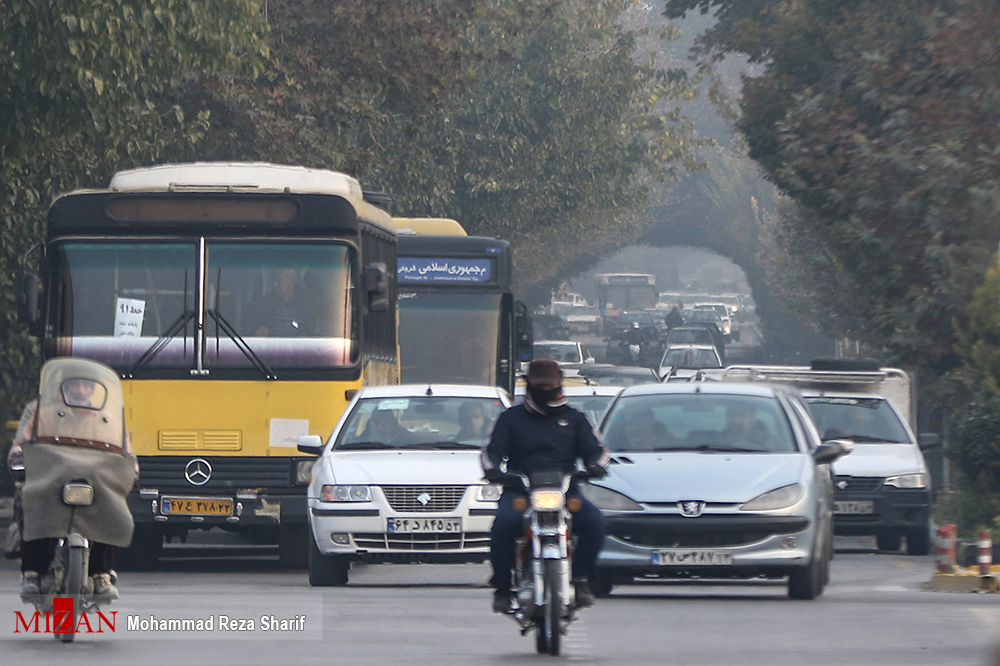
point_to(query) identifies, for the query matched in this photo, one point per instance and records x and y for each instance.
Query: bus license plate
(421, 525)
(692, 557)
(196, 506)
(862, 507)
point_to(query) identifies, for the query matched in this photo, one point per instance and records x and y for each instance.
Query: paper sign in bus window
(286, 432)
(128, 317)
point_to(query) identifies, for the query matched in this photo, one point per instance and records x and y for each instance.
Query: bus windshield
(290, 303)
(466, 354)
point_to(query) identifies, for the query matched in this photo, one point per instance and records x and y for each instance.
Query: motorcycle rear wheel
(72, 587)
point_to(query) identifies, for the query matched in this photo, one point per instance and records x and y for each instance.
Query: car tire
(327, 570)
(603, 583)
(806, 583)
(918, 541)
(889, 542)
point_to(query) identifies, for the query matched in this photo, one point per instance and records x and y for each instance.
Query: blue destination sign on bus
(416, 269)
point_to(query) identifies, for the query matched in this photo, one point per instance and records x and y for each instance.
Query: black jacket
(531, 441)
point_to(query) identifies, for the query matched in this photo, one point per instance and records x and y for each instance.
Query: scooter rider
(543, 433)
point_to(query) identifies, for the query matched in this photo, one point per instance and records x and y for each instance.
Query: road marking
(578, 647)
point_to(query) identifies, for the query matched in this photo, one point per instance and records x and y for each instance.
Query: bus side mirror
(27, 302)
(376, 281)
(522, 329)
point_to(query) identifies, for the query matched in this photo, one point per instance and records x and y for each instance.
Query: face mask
(542, 397)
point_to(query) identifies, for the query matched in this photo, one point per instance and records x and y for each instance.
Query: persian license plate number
(693, 557)
(196, 506)
(422, 525)
(860, 507)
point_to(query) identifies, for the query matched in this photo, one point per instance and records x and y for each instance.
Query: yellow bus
(243, 305)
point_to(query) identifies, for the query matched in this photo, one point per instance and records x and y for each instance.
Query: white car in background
(400, 479)
(563, 352)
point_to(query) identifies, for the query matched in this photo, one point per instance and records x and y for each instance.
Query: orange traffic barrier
(944, 548)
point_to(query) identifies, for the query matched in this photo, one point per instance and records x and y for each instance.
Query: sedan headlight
(907, 481)
(609, 500)
(779, 498)
(489, 493)
(346, 494)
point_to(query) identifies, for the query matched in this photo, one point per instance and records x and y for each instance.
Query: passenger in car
(386, 429)
(473, 422)
(645, 433)
(743, 426)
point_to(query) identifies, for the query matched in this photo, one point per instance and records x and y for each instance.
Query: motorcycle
(76, 476)
(544, 599)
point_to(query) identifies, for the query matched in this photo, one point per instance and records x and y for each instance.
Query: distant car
(711, 315)
(563, 351)
(619, 375)
(591, 400)
(689, 356)
(549, 327)
(584, 319)
(729, 325)
(698, 335)
(400, 480)
(715, 480)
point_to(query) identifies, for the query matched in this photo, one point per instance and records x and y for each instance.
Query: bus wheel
(144, 551)
(293, 546)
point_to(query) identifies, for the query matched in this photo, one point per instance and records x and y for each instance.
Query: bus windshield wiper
(240, 343)
(161, 342)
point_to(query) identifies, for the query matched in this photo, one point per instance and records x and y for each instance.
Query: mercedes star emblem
(198, 472)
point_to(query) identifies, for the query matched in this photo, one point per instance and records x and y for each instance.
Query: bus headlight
(303, 472)
(908, 481)
(346, 494)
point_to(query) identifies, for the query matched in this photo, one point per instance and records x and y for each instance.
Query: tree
(878, 120)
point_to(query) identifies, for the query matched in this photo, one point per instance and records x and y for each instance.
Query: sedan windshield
(698, 422)
(419, 423)
(567, 353)
(869, 420)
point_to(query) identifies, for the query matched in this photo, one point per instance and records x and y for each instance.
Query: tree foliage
(879, 121)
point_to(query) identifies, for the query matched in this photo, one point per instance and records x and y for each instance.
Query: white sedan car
(400, 480)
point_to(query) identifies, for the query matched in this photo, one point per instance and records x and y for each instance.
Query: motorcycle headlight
(346, 494)
(546, 500)
(489, 493)
(907, 481)
(78, 494)
(779, 498)
(609, 500)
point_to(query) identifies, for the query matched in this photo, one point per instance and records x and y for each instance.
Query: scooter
(544, 596)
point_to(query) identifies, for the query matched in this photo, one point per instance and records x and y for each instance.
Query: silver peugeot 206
(716, 481)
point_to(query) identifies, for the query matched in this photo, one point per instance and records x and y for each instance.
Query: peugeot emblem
(691, 509)
(424, 498)
(198, 472)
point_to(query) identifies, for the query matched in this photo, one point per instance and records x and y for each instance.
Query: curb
(968, 580)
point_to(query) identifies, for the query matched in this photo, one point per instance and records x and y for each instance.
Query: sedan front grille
(858, 484)
(423, 499)
(702, 532)
(424, 542)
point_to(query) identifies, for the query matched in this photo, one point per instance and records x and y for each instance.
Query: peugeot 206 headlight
(779, 498)
(609, 500)
(346, 494)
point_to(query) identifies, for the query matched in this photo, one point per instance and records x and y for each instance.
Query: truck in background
(883, 488)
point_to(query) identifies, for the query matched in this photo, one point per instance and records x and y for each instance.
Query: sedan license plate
(860, 507)
(196, 506)
(692, 557)
(421, 525)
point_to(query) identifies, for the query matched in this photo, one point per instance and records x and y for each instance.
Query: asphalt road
(875, 612)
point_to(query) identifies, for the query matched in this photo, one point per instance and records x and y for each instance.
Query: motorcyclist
(543, 433)
(36, 555)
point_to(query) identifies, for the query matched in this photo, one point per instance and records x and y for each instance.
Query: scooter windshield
(79, 399)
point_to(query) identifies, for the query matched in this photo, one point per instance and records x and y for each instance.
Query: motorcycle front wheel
(72, 588)
(548, 633)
